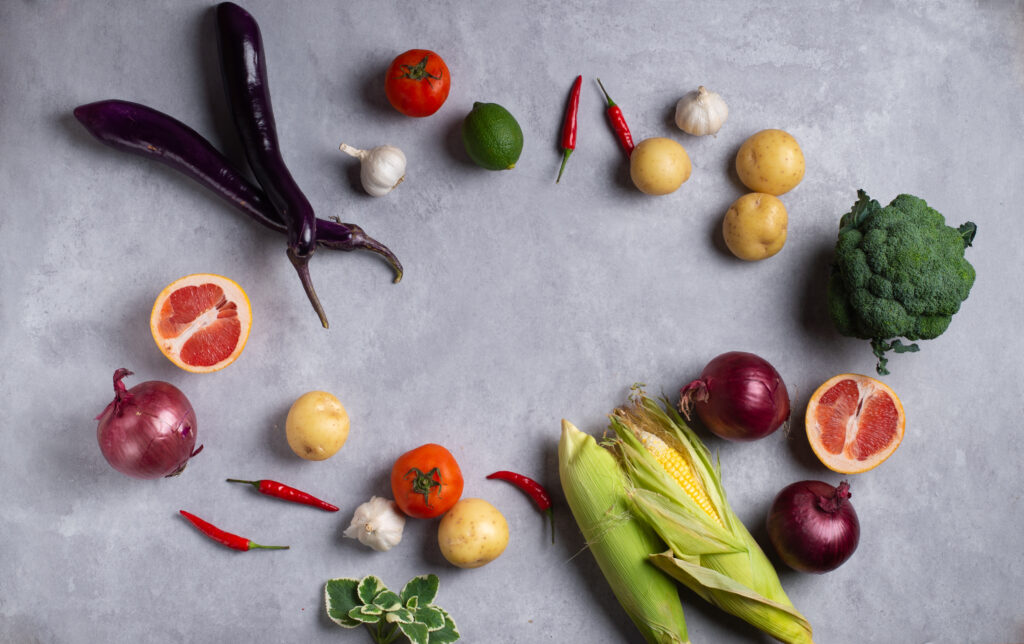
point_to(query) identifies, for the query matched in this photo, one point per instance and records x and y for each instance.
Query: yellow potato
(472, 533)
(659, 166)
(755, 226)
(770, 161)
(317, 426)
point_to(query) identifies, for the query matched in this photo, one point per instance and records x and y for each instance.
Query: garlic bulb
(701, 112)
(378, 524)
(382, 168)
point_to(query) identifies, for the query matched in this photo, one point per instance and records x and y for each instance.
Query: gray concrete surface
(523, 303)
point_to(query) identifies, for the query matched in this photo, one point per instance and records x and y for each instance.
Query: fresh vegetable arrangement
(649, 499)
(669, 484)
(898, 272)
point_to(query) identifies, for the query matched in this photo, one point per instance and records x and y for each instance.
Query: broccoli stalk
(898, 272)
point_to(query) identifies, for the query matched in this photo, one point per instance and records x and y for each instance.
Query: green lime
(492, 137)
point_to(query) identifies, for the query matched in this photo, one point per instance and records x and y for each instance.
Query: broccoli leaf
(968, 230)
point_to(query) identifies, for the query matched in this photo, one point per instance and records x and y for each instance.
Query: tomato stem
(423, 483)
(418, 71)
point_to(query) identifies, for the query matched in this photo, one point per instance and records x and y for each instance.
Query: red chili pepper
(569, 127)
(536, 491)
(618, 122)
(230, 540)
(282, 491)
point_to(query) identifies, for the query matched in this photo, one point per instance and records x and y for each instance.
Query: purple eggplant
(244, 70)
(141, 130)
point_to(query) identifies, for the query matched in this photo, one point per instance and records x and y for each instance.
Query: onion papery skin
(739, 397)
(148, 431)
(813, 526)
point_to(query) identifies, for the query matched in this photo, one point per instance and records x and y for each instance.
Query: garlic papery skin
(701, 112)
(377, 523)
(382, 168)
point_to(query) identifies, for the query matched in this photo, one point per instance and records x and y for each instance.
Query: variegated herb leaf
(369, 587)
(430, 616)
(424, 587)
(387, 600)
(416, 632)
(365, 614)
(399, 616)
(340, 596)
(446, 634)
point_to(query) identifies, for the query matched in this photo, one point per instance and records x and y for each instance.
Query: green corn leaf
(370, 587)
(446, 634)
(365, 614)
(720, 562)
(424, 587)
(340, 596)
(416, 632)
(779, 620)
(387, 600)
(431, 616)
(400, 616)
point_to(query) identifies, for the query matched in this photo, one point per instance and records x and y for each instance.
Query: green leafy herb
(412, 613)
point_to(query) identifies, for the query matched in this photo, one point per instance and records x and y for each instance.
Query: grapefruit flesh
(201, 322)
(854, 423)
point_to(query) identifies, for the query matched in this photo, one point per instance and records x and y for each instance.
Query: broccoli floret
(898, 272)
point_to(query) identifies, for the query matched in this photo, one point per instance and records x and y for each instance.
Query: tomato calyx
(424, 482)
(418, 72)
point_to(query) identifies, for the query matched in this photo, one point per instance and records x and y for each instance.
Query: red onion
(813, 526)
(739, 396)
(147, 431)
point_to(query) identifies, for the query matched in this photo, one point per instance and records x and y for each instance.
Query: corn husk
(715, 557)
(595, 489)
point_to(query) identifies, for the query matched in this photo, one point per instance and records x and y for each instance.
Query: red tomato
(417, 82)
(426, 481)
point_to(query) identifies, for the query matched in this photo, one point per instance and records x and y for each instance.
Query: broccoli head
(898, 272)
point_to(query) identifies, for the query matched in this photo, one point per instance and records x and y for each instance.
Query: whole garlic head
(377, 523)
(701, 112)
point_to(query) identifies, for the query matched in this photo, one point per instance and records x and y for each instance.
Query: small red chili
(569, 126)
(536, 491)
(220, 536)
(618, 122)
(282, 491)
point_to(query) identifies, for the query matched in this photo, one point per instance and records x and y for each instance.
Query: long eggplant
(144, 131)
(244, 70)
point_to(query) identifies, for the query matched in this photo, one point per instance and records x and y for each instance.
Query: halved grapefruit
(201, 322)
(854, 423)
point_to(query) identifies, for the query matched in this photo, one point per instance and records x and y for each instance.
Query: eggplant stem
(301, 264)
(361, 240)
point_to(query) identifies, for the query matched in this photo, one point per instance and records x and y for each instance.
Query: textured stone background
(523, 303)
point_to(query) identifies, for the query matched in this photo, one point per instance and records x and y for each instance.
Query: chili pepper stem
(256, 546)
(551, 517)
(565, 158)
(255, 484)
(611, 103)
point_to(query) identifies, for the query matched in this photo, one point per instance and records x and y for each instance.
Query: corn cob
(594, 488)
(709, 549)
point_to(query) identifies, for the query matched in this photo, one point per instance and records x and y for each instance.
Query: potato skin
(658, 166)
(472, 533)
(317, 426)
(771, 162)
(755, 226)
